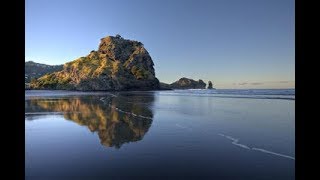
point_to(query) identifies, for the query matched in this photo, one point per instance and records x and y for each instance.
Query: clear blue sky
(234, 43)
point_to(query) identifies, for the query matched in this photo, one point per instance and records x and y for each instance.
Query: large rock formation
(118, 64)
(33, 70)
(185, 83)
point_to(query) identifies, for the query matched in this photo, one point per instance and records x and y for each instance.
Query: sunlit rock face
(118, 64)
(116, 120)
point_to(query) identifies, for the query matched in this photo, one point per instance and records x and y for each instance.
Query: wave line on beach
(130, 113)
(273, 153)
(104, 99)
(235, 142)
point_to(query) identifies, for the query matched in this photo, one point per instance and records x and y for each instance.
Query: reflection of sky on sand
(154, 133)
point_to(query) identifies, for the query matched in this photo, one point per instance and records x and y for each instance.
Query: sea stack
(210, 85)
(118, 64)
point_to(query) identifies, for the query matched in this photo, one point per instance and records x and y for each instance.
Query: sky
(233, 43)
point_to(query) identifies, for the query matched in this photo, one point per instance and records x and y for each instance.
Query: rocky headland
(118, 64)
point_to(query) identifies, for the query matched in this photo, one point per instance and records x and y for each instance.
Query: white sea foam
(104, 99)
(273, 153)
(113, 95)
(122, 111)
(235, 142)
(241, 145)
(130, 113)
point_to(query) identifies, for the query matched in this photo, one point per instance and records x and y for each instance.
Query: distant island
(119, 64)
(184, 83)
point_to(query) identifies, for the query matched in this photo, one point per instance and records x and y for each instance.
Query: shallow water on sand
(198, 134)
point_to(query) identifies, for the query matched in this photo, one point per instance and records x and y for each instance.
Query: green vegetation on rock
(118, 64)
(35, 70)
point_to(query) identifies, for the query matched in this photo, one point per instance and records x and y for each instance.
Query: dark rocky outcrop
(165, 86)
(118, 64)
(185, 83)
(210, 85)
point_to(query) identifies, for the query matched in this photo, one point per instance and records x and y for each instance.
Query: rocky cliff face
(185, 83)
(118, 64)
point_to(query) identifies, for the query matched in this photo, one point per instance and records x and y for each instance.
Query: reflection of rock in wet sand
(117, 120)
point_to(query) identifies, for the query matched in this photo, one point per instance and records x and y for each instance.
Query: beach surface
(200, 134)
